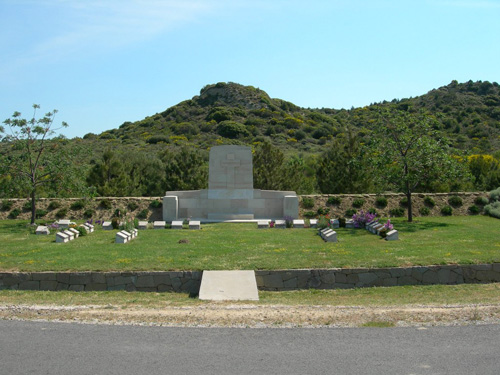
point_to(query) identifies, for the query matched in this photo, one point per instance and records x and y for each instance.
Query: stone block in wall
(490, 275)
(290, 283)
(481, 267)
(162, 279)
(82, 278)
(327, 276)
(164, 288)
(62, 286)
(191, 286)
(352, 278)
(145, 281)
(407, 280)
(469, 274)
(313, 282)
(418, 273)
(430, 277)
(176, 283)
(383, 274)
(50, 285)
(122, 280)
(98, 278)
(43, 276)
(496, 267)
(62, 278)
(29, 285)
(272, 281)
(397, 272)
(366, 279)
(340, 277)
(95, 287)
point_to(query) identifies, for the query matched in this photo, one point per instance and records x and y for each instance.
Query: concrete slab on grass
(229, 286)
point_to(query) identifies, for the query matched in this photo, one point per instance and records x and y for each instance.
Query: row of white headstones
(66, 233)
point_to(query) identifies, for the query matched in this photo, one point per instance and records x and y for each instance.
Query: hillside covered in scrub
(468, 113)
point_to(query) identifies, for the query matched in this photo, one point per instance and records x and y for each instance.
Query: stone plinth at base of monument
(230, 194)
(229, 286)
(264, 204)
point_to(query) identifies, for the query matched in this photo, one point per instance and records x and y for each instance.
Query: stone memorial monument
(230, 194)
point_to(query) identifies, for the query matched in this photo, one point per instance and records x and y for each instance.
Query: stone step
(229, 286)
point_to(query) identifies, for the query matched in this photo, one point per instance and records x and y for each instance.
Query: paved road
(62, 348)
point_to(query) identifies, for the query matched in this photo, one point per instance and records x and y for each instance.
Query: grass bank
(367, 297)
(431, 240)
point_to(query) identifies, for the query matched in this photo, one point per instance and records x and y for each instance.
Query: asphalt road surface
(70, 348)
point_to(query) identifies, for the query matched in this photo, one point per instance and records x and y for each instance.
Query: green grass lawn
(430, 240)
(394, 296)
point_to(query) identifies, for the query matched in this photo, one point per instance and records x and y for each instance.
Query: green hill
(229, 113)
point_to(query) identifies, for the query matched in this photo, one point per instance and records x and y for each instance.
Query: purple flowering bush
(388, 226)
(361, 218)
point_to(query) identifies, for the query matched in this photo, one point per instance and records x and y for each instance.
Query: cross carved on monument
(230, 164)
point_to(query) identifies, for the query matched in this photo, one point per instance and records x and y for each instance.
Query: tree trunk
(33, 206)
(410, 207)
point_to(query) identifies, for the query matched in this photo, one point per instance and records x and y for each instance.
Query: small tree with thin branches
(32, 159)
(411, 154)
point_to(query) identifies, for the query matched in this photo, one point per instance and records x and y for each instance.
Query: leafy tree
(33, 160)
(109, 176)
(268, 167)
(343, 167)
(485, 170)
(186, 169)
(410, 152)
(299, 175)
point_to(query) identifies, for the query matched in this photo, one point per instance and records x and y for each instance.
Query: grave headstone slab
(324, 232)
(61, 237)
(392, 235)
(330, 236)
(369, 227)
(128, 234)
(75, 232)
(298, 223)
(262, 224)
(176, 224)
(87, 229)
(42, 230)
(335, 223)
(160, 224)
(143, 225)
(107, 225)
(377, 228)
(194, 224)
(134, 233)
(121, 238)
(280, 224)
(63, 223)
(349, 223)
(313, 223)
(70, 234)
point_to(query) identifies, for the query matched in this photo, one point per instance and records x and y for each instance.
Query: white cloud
(82, 27)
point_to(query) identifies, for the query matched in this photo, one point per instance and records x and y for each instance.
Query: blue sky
(104, 62)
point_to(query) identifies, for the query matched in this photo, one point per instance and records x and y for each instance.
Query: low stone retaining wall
(134, 205)
(179, 281)
(344, 278)
(276, 280)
